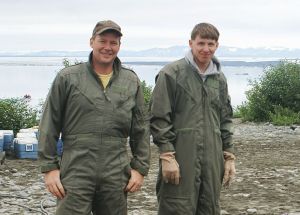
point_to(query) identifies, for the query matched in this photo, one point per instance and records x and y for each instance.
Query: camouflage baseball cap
(106, 25)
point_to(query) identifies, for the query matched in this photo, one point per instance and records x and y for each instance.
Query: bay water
(33, 76)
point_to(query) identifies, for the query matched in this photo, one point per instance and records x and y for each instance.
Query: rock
(35, 187)
(251, 211)
(13, 170)
(246, 195)
(49, 203)
(16, 188)
(223, 212)
(297, 131)
(18, 174)
(3, 210)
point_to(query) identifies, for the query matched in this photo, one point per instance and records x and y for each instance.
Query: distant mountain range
(174, 51)
(222, 52)
(229, 56)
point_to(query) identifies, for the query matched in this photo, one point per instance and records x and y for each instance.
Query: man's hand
(135, 182)
(53, 184)
(170, 168)
(229, 167)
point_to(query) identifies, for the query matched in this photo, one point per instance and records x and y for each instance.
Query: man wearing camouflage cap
(96, 106)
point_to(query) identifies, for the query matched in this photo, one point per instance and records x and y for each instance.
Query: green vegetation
(66, 62)
(147, 90)
(237, 112)
(16, 113)
(274, 97)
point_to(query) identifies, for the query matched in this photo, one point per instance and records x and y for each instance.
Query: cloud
(68, 24)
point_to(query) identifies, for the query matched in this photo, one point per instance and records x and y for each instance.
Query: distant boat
(244, 73)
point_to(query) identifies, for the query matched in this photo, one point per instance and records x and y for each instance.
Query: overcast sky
(31, 25)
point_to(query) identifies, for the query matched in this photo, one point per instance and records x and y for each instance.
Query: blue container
(26, 148)
(8, 140)
(8, 137)
(1, 141)
(59, 147)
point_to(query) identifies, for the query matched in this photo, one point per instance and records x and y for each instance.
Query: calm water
(34, 75)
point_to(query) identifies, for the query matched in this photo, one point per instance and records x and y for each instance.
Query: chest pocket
(122, 97)
(213, 86)
(184, 97)
(80, 99)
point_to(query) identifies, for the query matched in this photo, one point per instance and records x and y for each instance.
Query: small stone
(13, 170)
(35, 187)
(297, 131)
(16, 188)
(223, 212)
(251, 211)
(49, 203)
(23, 194)
(18, 174)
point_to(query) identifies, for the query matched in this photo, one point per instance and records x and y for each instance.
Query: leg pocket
(175, 206)
(75, 162)
(116, 163)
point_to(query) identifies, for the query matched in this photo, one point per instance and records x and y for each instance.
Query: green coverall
(191, 117)
(95, 124)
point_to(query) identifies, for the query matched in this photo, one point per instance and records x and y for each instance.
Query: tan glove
(229, 167)
(170, 168)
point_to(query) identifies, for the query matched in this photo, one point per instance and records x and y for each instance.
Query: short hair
(205, 31)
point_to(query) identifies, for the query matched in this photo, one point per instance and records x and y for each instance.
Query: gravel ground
(267, 179)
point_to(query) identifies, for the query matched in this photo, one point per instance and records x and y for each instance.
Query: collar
(116, 65)
(212, 69)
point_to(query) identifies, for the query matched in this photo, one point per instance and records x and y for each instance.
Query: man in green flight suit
(191, 124)
(95, 106)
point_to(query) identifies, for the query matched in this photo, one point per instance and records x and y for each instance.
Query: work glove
(170, 168)
(229, 167)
